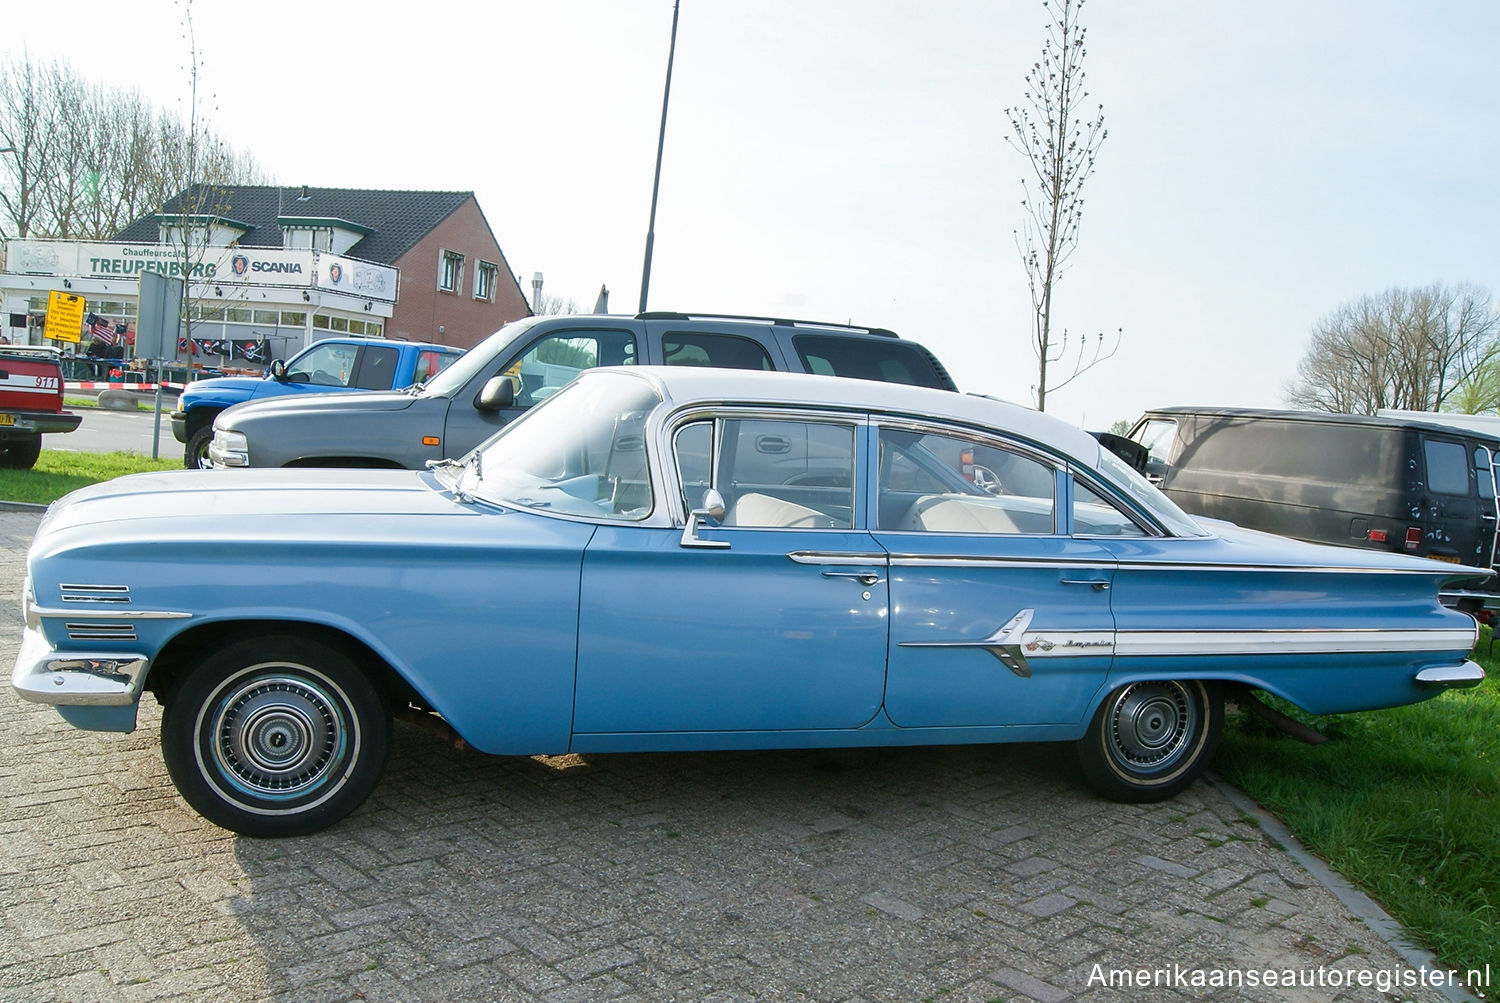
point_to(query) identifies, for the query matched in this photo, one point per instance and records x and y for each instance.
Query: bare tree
(1060, 142)
(82, 160)
(550, 304)
(1411, 349)
(28, 121)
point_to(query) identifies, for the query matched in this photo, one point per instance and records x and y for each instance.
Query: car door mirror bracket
(712, 512)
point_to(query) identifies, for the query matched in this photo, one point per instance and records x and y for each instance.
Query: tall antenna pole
(660, 142)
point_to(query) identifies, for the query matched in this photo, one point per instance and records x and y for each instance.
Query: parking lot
(966, 874)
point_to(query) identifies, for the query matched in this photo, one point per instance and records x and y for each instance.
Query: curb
(15, 506)
(1364, 908)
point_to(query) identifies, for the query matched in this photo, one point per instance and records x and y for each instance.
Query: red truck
(31, 403)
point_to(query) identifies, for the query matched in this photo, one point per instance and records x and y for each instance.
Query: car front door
(998, 617)
(772, 619)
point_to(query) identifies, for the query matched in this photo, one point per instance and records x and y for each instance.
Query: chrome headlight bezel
(229, 449)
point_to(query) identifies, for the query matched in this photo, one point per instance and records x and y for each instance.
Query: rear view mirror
(278, 370)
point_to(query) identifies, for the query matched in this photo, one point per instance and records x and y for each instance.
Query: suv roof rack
(780, 321)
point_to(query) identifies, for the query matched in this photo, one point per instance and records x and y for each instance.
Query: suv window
(541, 370)
(375, 369)
(719, 351)
(888, 361)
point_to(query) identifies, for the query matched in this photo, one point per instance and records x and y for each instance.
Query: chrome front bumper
(75, 678)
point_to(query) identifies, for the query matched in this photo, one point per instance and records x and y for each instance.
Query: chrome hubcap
(277, 736)
(1150, 725)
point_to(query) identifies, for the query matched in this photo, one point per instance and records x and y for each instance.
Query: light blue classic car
(675, 559)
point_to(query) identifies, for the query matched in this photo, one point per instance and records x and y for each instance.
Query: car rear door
(998, 617)
(1453, 528)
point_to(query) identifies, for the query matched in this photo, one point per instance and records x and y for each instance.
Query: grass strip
(57, 472)
(1405, 803)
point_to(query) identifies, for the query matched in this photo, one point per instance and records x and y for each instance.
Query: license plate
(7, 419)
(1440, 557)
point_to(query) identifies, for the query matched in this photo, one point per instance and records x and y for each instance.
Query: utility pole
(661, 140)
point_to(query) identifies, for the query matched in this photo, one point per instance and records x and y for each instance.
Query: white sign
(358, 278)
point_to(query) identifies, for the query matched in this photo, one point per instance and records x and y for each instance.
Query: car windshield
(451, 380)
(1175, 520)
(582, 452)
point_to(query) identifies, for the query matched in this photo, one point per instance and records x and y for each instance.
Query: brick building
(286, 266)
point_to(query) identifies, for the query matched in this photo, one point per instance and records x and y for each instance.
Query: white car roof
(685, 384)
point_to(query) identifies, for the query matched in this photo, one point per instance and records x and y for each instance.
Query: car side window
(430, 363)
(771, 473)
(1447, 467)
(548, 364)
(1094, 515)
(324, 366)
(931, 483)
(376, 369)
(719, 351)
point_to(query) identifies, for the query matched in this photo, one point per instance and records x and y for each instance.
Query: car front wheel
(281, 736)
(195, 454)
(1150, 740)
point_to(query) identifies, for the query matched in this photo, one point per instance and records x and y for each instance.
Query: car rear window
(888, 361)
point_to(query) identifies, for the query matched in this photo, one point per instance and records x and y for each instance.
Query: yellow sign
(64, 317)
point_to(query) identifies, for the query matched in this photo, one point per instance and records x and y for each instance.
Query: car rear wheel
(21, 453)
(281, 736)
(1150, 740)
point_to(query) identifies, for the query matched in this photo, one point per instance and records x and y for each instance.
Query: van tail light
(966, 464)
(1413, 537)
(1377, 536)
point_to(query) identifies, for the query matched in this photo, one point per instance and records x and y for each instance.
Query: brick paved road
(952, 874)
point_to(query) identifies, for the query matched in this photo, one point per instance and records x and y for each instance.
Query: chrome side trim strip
(986, 560)
(835, 557)
(1138, 643)
(107, 614)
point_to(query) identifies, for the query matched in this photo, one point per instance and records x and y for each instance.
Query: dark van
(1410, 482)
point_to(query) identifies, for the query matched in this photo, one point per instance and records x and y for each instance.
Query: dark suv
(528, 360)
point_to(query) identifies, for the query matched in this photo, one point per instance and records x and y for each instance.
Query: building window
(484, 280)
(450, 271)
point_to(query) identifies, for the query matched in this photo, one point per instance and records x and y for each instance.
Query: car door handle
(1097, 584)
(863, 577)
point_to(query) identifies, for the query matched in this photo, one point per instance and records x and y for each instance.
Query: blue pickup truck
(332, 365)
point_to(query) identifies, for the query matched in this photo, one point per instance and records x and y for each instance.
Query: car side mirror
(1156, 471)
(278, 370)
(713, 508)
(499, 392)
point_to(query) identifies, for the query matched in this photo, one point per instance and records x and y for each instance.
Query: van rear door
(1455, 527)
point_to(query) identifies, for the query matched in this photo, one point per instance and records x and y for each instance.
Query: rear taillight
(1413, 537)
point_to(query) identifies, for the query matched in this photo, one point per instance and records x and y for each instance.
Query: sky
(845, 160)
